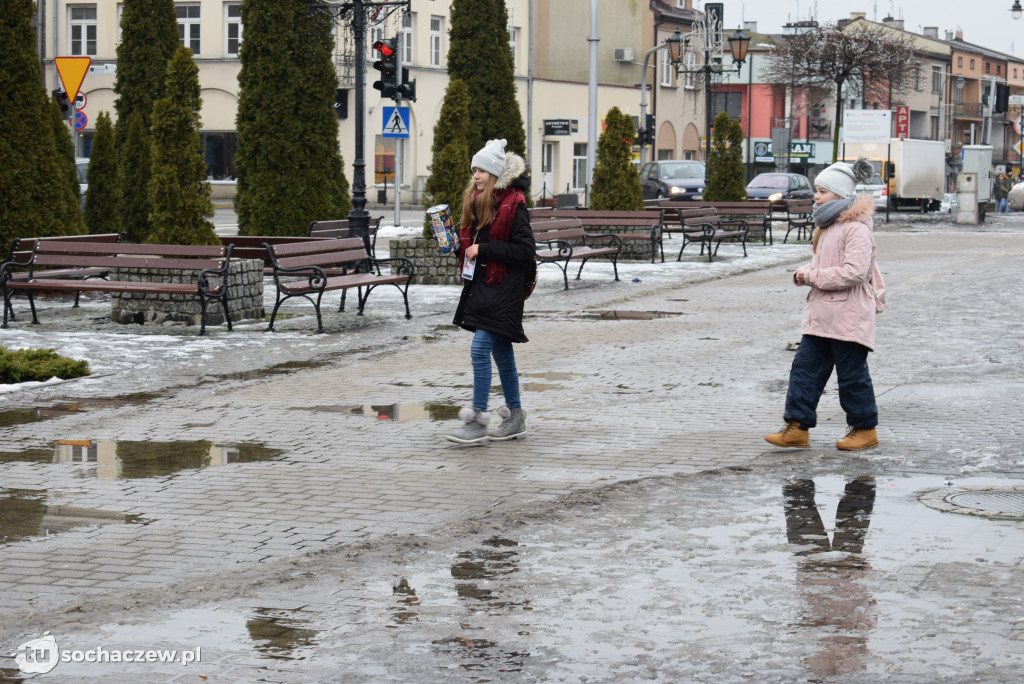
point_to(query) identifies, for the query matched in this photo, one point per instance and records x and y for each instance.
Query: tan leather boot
(858, 438)
(790, 436)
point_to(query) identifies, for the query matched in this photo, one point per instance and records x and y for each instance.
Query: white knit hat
(491, 158)
(842, 178)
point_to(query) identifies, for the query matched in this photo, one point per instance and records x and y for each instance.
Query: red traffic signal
(387, 65)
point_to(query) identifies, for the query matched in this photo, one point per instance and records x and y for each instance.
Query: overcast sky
(986, 22)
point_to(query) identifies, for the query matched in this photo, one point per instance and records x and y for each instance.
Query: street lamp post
(738, 44)
(672, 44)
(1016, 10)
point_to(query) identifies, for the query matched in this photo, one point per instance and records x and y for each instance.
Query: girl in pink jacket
(838, 327)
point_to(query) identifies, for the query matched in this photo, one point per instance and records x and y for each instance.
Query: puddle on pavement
(400, 412)
(24, 514)
(22, 416)
(279, 369)
(432, 335)
(281, 634)
(607, 314)
(129, 460)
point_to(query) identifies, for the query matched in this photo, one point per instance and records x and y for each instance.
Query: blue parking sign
(396, 122)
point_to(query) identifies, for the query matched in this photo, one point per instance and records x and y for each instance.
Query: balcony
(969, 110)
(821, 129)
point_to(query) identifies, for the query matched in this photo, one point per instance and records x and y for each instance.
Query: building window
(233, 26)
(83, 30)
(960, 62)
(547, 157)
(668, 72)
(917, 77)
(384, 161)
(188, 26)
(408, 21)
(120, 13)
(958, 93)
(579, 166)
(999, 69)
(436, 36)
(936, 79)
(376, 34)
(691, 64)
(219, 153)
(972, 65)
(988, 67)
(513, 44)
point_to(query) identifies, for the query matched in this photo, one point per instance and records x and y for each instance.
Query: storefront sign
(561, 126)
(799, 152)
(903, 121)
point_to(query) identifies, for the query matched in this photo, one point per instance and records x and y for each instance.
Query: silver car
(82, 164)
(878, 189)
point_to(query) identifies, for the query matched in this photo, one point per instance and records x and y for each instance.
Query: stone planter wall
(245, 296)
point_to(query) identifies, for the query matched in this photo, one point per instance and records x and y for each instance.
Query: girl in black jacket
(497, 255)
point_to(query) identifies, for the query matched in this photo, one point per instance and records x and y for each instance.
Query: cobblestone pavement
(245, 476)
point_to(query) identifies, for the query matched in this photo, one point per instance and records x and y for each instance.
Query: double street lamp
(678, 45)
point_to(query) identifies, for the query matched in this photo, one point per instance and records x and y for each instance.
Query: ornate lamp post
(738, 44)
(1016, 10)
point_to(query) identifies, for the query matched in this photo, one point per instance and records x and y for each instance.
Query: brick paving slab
(626, 399)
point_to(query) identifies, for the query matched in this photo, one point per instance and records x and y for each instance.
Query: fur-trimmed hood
(862, 210)
(515, 170)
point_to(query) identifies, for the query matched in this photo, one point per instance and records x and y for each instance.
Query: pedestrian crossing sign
(396, 122)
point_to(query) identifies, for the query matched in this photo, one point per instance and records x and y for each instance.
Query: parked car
(672, 179)
(780, 186)
(878, 189)
(948, 203)
(82, 164)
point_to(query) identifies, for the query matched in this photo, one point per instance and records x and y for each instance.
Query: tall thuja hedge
(616, 184)
(36, 196)
(180, 193)
(149, 38)
(102, 202)
(65, 149)
(450, 155)
(726, 175)
(288, 162)
(480, 56)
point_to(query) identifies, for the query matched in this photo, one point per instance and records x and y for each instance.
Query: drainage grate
(1003, 503)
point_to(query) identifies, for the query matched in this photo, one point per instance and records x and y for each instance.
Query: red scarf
(501, 229)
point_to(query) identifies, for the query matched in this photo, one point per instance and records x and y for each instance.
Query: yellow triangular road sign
(72, 72)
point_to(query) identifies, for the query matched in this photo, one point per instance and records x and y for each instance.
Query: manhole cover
(1003, 503)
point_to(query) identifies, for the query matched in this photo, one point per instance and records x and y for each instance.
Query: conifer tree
(102, 201)
(36, 197)
(480, 56)
(65, 149)
(450, 156)
(288, 162)
(616, 184)
(149, 37)
(726, 177)
(180, 193)
(136, 163)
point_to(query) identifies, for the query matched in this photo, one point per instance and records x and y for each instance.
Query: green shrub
(726, 176)
(25, 365)
(616, 183)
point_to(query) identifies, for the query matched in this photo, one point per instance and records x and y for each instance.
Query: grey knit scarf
(825, 215)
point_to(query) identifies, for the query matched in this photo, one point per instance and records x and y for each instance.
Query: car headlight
(775, 196)
(675, 190)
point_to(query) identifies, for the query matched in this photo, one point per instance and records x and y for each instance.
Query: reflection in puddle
(279, 634)
(406, 597)
(607, 315)
(27, 456)
(279, 369)
(127, 460)
(69, 407)
(482, 566)
(829, 571)
(399, 412)
(24, 514)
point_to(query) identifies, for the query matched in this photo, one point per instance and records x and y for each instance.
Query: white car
(878, 189)
(948, 202)
(82, 164)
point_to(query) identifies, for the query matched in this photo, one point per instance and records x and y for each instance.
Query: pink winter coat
(840, 305)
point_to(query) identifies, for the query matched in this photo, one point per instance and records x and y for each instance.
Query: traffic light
(407, 88)
(1002, 103)
(64, 102)
(387, 66)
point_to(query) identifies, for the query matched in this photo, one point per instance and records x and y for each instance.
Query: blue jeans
(485, 345)
(812, 367)
(1002, 206)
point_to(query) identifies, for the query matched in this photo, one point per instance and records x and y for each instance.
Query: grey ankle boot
(474, 427)
(513, 425)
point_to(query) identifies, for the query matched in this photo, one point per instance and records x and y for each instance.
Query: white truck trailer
(917, 175)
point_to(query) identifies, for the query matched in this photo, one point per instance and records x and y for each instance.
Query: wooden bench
(255, 246)
(704, 225)
(309, 269)
(205, 261)
(646, 221)
(555, 240)
(20, 254)
(339, 228)
(797, 213)
(754, 212)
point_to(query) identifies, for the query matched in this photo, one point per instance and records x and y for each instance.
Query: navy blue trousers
(812, 367)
